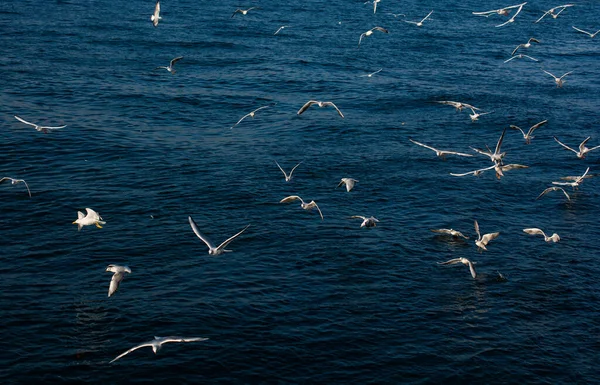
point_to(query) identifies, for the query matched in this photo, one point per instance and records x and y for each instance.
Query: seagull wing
(114, 283)
(236, 11)
(291, 198)
(450, 262)
(24, 121)
(305, 106)
(426, 17)
(472, 269)
(570, 72)
(486, 153)
(499, 144)
(239, 121)
(318, 209)
(29, 191)
(582, 31)
(518, 128)
(199, 234)
(334, 106)
(489, 237)
(359, 217)
(550, 74)
(544, 15)
(165, 340)
(564, 145)
(228, 240)
(515, 50)
(536, 126)
(477, 229)
(131, 350)
(380, 29)
(455, 153)
(293, 169)
(423, 145)
(173, 61)
(284, 174)
(534, 231)
(579, 179)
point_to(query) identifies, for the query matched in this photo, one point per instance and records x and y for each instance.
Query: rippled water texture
(300, 300)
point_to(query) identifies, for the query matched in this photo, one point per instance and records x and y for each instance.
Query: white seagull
(552, 12)
(156, 344)
(419, 23)
(464, 261)
(251, 114)
(535, 231)
(43, 129)
(441, 153)
(546, 191)
(171, 64)
(306, 206)
(583, 150)
(475, 115)
(15, 181)
(526, 45)
(119, 274)
(502, 11)
(458, 105)
(521, 56)
(512, 19)
(527, 135)
(92, 218)
(280, 28)
(375, 2)
(592, 35)
(370, 32)
(495, 156)
(320, 104)
(451, 232)
(474, 172)
(576, 182)
(156, 15)
(212, 250)
(558, 80)
(349, 182)
(372, 73)
(482, 241)
(243, 11)
(366, 222)
(287, 177)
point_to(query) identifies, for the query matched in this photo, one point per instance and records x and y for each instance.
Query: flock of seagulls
(496, 157)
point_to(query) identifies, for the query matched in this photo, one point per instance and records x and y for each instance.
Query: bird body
(464, 261)
(483, 240)
(419, 23)
(119, 274)
(366, 222)
(156, 15)
(171, 64)
(349, 182)
(212, 250)
(91, 218)
(306, 206)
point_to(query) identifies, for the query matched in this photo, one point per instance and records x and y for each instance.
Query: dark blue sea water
(300, 300)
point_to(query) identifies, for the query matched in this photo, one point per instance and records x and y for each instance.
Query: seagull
(512, 19)
(496, 156)
(475, 115)
(474, 172)
(370, 32)
(243, 11)
(576, 182)
(156, 15)
(349, 182)
(502, 11)
(119, 274)
(592, 35)
(375, 5)
(552, 12)
(171, 64)
(280, 28)
(464, 261)
(535, 231)
(458, 105)
(526, 45)
(441, 153)
(251, 114)
(92, 218)
(306, 206)
(583, 150)
(419, 23)
(397, 14)
(372, 73)
(553, 189)
(527, 136)
(156, 344)
(452, 232)
(521, 56)
(482, 241)
(559, 81)
(15, 181)
(320, 104)
(287, 177)
(43, 129)
(212, 250)
(367, 222)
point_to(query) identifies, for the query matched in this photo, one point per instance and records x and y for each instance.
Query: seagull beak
(74, 222)
(98, 225)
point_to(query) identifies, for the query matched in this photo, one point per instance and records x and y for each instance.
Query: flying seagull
(349, 182)
(512, 19)
(521, 56)
(372, 73)
(475, 115)
(156, 15)
(44, 129)
(552, 12)
(287, 177)
(171, 64)
(458, 105)
(495, 156)
(119, 274)
(251, 114)
(527, 135)
(583, 150)
(464, 261)
(91, 218)
(526, 45)
(592, 35)
(280, 28)
(243, 11)
(502, 11)
(558, 80)
(366, 222)
(212, 250)
(306, 206)
(553, 188)
(370, 32)
(419, 23)
(15, 181)
(483, 240)
(320, 104)
(451, 232)
(156, 344)
(441, 153)
(576, 182)
(535, 231)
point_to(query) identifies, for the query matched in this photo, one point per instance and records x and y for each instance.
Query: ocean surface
(300, 299)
